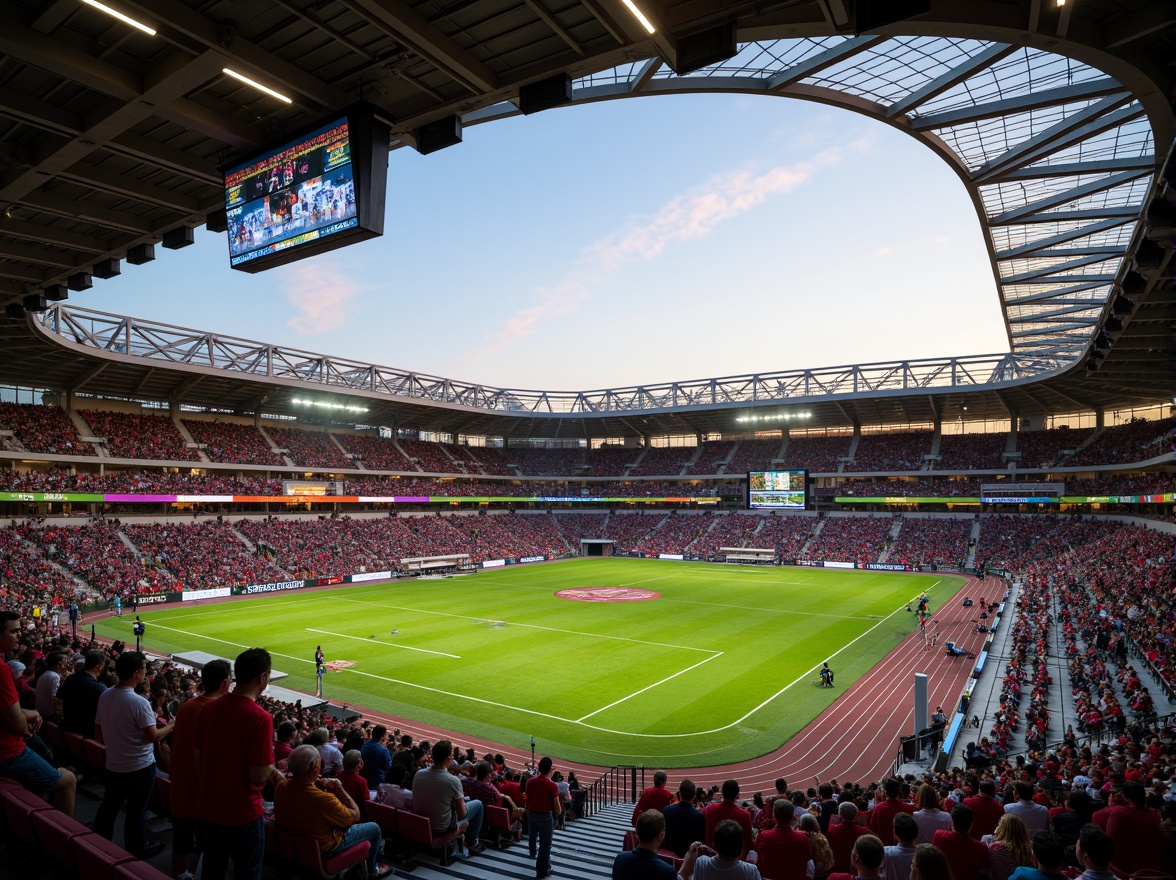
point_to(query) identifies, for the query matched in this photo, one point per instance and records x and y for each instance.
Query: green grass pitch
(721, 668)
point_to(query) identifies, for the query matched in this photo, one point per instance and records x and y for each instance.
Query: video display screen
(295, 195)
(777, 490)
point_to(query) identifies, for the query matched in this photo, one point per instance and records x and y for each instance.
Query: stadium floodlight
(640, 16)
(125, 19)
(324, 405)
(228, 71)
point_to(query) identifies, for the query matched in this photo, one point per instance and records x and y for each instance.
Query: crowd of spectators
(921, 488)
(28, 580)
(376, 453)
(310, 448)
(232, 442)
(551, 462)
(663, 460)
(931, 541)
(851, 539)
(140, 435)
(709, 456)
(677, 533)
(754, 455)
(144, 482)
(431, 457)
(1040, 449)
(201, 555)
(971, 451)
(491, 460)
(891, 451)
(730, 530)
(788, 534)
(1122, 444)
(819, 454)
(99, 556)
(43, 429)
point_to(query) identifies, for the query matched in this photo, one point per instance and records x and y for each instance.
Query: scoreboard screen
(777, 490)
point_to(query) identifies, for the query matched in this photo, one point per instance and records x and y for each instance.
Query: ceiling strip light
(252, 82)
(126, 19)
(640, 16)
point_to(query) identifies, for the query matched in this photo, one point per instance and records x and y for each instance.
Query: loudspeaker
(177, 238)
(1148, 255)
(1133, 284)
(140, 254)
(217, 221)
(14, 310)
(869, 15)
(706, 47)
(35, 302)
(106, 268)
(555, 91)
(1122, 305)
(80, 281)
(1113, 325)
(56, 292)
(437, 135)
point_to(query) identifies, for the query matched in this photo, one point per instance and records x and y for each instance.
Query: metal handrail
(619, 784)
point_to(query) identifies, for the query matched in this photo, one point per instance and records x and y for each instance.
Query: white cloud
(881, 252)
(321, 293)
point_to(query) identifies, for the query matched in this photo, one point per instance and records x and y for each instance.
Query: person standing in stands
(127, 725)
(727, 809)
(656, 798)
(233, 770)
(79, 695)
(684, 821)
(215, 679)
(542, 806)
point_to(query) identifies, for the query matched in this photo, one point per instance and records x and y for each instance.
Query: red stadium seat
(161, 796)
(95, 754)
(497, 824)
(53, 831)
(305, 853)
(75, 747)
(139, 871)
(52, 734)
(419, 830)
(19, 806)
(97, 857)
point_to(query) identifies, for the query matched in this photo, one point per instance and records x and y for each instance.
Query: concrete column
(921, 715)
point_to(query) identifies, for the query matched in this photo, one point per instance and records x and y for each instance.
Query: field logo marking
(607, 594)
(336, 665)
(385, 644)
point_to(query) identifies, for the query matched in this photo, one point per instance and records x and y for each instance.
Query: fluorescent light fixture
(782, 417)
(252, 82)
(125, 19)
(322, 405)
(640, 16)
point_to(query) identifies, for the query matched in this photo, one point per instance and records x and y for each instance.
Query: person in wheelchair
(967, 602)
(826, 675)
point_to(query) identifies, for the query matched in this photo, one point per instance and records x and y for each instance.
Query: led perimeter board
(777, 490)
(319, 191)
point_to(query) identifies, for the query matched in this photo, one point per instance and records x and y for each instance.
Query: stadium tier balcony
(754, 455)
(144, 482)
(928, 541)
(310, 448)
(1044, 448)
(132, 435)
(43, 429)
(232, 443)
(202, 555)
(1124, 444)
(851, 539)
(905, 488)
(971, 451)
(710, 455)
(817, 454)
(891, 451)
(611, 461)
(430, 456)
(549, 462)
(663, 461)
(377, 453)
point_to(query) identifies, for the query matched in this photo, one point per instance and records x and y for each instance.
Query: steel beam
(1066, 196)
(1082, 91)
(822, 60)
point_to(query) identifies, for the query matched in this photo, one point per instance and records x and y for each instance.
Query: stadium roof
(1051, 116)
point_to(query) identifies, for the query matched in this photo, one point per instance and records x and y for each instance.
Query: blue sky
(625, 242)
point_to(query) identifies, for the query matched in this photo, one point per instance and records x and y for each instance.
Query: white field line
(582, 718)
(422, 687)
(570, 632)
(326, 632)
(770, 610)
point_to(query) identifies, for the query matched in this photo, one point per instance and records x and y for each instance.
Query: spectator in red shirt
(784, 852)
(354, 784)
(986, 809)
(542, 806)
(866, 860)
(657, 798)
(727, 809)
(843, 835)
(882, 816)
(1134, 829)
(966, 856)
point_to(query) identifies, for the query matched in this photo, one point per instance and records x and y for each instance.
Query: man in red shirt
(784, 851)
(215, 679)
(542, 806)
(882, 816)
(17, 760)
(986, 809)
(843, 835)
(727, 809)
(235, 760)
(966, 856)
(353, 783)
(1134, 828)
(657, 798)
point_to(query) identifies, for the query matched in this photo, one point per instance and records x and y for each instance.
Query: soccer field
(720, 666)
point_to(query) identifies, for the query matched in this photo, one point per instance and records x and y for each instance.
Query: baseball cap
(17, 667)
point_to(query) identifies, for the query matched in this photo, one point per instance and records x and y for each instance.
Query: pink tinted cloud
(322, 294)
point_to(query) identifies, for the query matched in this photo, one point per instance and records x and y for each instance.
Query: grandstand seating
(930, 541)
(232, 443)
(676, 534)
(788, 534)
(819, 454)
(97, 554)
(430, 456)
(43, 429)
(971, 451)
(491, 460)
(851, 539)
(891, 451)
(377, 453)
(201, 555)
(730, 530)
(1124, 444)
(1043, 448)
(140, 435)
(659, 460)
(310, 448)
(754, 455)
(709, 456)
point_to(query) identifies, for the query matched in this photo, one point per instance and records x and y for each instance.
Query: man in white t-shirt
(48, 683)
(126, 723)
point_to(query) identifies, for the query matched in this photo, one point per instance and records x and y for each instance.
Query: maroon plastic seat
(75, 747)
(97, 857)
(95, 754)
(419, 830)
(138, 871)
(161, 796)
(19, 806)
(497, 826)
(53, 830)
(304, 853)
(384, 816)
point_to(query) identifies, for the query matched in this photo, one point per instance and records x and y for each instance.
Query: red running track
(854, 740)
